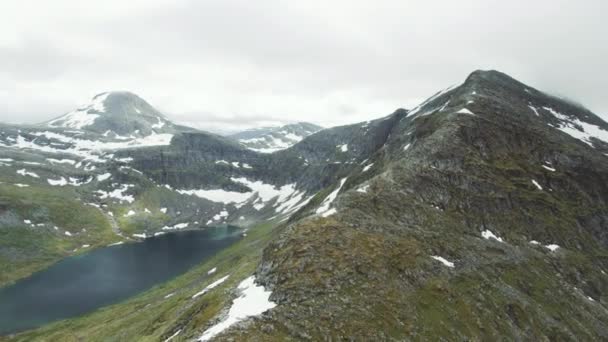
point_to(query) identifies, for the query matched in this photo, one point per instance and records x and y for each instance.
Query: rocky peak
(115, 114)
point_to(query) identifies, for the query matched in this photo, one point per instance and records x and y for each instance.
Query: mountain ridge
(480, 214)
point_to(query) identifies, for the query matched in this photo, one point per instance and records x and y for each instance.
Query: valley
(479, 214)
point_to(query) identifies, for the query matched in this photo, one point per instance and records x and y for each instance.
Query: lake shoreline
(83, 283)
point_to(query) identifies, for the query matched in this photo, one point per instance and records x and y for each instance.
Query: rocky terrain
(480, 214)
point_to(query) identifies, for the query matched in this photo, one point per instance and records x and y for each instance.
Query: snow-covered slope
(117, 114)
(272, 139)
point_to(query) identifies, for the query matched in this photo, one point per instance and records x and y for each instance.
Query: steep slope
(272, 139)
(479, 219)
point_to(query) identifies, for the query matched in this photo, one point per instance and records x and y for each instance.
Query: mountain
(480, 214)
(272, 139)
(116, 114)
(130, 173)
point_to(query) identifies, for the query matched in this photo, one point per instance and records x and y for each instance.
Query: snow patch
(578, 129)
(329, 212)
(61, 161)
(443, 261)
(465, 111)
(174, 335)
(486, 234)
(158, 125)
(222, 214)
(537, 185)
(253, 301)
(343, 147)
(429, 100)
(117, 194)
(363, 189)
(210, 287)
(367, 167)
(24, 172)
(177, 226)
(83, 116)
(534, 110)
(323, 210)
(548, 168)
(58, 182)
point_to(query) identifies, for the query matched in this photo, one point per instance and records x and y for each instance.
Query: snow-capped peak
(116, 113)
(84, 115)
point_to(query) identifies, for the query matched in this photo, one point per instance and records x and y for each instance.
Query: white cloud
(240, 63)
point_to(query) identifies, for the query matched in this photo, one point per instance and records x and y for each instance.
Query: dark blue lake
(83, 283)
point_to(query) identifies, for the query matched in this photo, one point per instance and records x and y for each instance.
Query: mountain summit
(114, 114)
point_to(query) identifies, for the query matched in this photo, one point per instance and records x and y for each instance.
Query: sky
(226, 65)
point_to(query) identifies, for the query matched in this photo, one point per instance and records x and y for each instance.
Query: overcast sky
(229, 64)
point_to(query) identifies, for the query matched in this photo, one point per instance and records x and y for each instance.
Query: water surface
(83, 283)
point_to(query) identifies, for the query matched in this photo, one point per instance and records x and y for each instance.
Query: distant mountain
(272, 139)
(117, 114)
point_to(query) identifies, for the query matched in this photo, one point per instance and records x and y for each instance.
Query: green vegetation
(29, 247)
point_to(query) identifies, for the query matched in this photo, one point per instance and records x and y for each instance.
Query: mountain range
(480, 214)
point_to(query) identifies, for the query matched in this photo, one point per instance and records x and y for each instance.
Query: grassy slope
(25, 249)
(152, 317)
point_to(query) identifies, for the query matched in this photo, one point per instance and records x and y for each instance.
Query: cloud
(232, 63)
